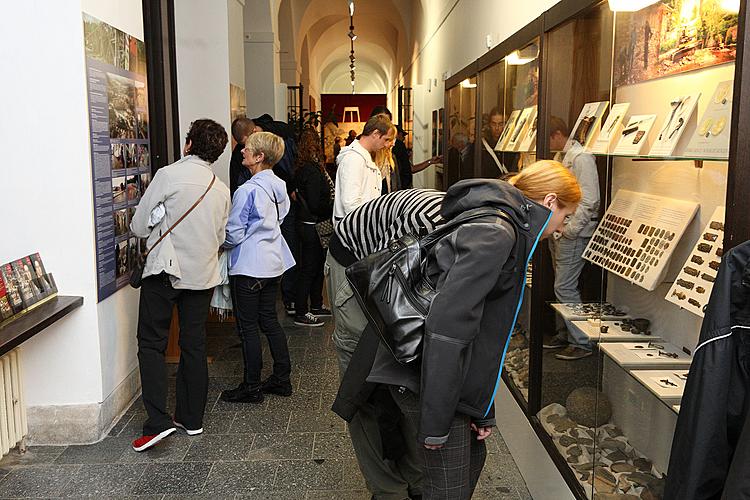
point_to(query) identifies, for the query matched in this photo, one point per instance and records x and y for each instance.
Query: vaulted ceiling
(314, 46)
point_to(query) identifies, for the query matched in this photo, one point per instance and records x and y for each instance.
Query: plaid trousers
(452, 472)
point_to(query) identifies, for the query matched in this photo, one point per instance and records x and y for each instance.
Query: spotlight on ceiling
(351, 8)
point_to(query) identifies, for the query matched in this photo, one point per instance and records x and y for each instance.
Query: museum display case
(460, 127)
(644, 107)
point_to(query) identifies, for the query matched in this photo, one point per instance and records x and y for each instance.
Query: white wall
(202, 50)
(48, 198)
(458, 42)
(235, 11)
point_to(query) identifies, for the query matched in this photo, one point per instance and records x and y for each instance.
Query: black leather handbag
(393, 291)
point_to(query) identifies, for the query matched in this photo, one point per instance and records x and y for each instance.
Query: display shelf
(667, 385)
(29, 323)
(641, 355)
(586, 310)
(614, 333)
(662, 158)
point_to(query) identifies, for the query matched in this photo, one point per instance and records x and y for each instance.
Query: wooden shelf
(34, 321)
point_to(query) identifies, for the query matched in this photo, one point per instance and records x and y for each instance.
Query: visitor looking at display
(181, 271)
(241, 129)
(258, 257)
(568, 244)
(479, 275)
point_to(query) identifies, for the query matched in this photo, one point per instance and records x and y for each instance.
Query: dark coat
(479, 273)
(711, 446)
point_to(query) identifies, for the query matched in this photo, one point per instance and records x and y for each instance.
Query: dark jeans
(289, 279)
(254, 302)
(452, 472)
(154, 317)
(309, 269)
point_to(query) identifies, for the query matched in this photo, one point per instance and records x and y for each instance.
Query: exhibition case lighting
(629, 5)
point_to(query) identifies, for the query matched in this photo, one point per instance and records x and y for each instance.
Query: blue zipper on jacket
(518, 310)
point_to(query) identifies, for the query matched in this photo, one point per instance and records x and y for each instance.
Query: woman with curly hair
(181, 270)
(314, 195)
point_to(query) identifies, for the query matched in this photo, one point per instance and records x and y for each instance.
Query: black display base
(29, 323)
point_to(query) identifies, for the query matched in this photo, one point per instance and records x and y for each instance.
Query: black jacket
(479, 273)
(401, 155)
(314, 201)
(238, 173)
(710, 455)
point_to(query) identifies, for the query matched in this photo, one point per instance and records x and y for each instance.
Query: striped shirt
(373, 225)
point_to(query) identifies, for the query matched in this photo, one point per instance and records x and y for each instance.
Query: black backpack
(393, 291)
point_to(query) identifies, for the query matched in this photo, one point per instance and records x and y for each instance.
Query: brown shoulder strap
(210, 185)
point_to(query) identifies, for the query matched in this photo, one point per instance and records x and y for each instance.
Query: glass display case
(640, 106)
(640, 111)
(461, 108)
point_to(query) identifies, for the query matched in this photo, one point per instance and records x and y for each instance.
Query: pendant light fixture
(352, 36)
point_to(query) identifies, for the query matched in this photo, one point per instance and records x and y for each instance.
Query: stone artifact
(588, 407)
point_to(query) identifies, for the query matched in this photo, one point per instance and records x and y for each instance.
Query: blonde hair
(548, 176)
(271, 145)
(383, 158)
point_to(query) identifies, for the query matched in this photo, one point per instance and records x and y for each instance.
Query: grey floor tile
(352, 478)
(104, 481)
(109, 450)
(173, 478)
(225, 369)
(298, 399)
(172, 449)
(319, 382)
(220, 406)
(499, 471)
(218, 422)
(318, 421)
(220, 448)
(120, 424)
(498, 493)
(276, 446)
(333, 445)
(309, 474)
(273, 495)
(241, 477)
(338, 495)
(34, 455)
(37, 481)
(262, 421)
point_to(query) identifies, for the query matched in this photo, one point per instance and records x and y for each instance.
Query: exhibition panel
(640, 105)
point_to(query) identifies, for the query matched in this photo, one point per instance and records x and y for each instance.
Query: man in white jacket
(358, 179)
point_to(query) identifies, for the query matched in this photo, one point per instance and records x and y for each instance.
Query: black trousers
(158, 298)
(452, 472)
(309, 269)
(254, 301)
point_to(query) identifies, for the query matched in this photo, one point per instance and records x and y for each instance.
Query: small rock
(588, 407)
(584, 467)
(640, 478)
(618, 456)
(575, 451)
(643, 464)
(567, 441)
(613, 444)
(604, 481)
(623, 467)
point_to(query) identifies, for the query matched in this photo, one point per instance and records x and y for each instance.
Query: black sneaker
(308, 320)
(244, 396)
(235, 391)
(320, 311)
(274, 386)
(290, 309)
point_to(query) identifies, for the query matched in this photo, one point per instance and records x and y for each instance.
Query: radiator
(13, 424)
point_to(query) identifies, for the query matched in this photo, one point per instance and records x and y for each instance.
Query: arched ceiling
(384, 42)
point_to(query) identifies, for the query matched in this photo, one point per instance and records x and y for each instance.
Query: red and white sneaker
(145, 442)
(190, 432)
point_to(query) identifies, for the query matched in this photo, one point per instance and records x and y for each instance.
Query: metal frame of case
(737, 227)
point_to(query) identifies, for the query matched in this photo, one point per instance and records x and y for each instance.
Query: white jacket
(189, 254)
(358, 179)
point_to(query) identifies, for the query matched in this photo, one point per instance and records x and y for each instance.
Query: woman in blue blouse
(258, 257)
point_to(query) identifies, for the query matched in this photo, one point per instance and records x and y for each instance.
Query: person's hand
(433, 446)
(436, 159)
(482, 432)
(293, 196)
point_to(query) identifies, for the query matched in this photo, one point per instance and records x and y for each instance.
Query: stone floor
(286, 448)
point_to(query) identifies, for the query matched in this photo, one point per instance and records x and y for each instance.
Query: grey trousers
(567, 259)
(386, 479)
(452, 472)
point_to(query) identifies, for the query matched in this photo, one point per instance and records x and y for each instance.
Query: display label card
(522, 125)
(677, 119)
(634, 135)
(510, 125)
(693, 285)
(711, 137)
(637, 235)
(611, 130)
(529, 138)
(587, 126)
